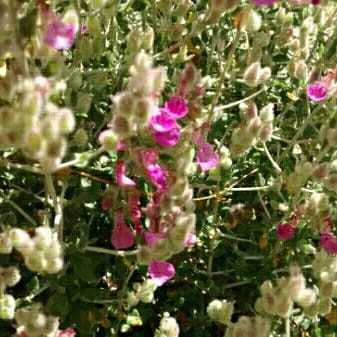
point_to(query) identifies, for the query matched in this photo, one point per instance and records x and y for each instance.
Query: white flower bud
(6, 245)
(54, 266)
(18, 237)
(306, 297)
(132, 299)
(220, 311)
(267, 113)
(7, 306)
(36, 261)
(11, 276)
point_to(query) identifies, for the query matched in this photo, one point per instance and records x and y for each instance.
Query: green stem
(273, 162)
(287, 327)
(19, 210)
(224, 70)
(111, 252)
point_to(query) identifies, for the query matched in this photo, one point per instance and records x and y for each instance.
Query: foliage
(168, 167)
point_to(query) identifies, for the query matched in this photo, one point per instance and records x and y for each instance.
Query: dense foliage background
(249, 176)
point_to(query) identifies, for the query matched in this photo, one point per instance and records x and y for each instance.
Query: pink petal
(167, 139)
(206, 157)
(122, 179)
(191, 240)
(122, 236)
(68, 332)
(60, 35)
(328, 243)
(162, 121)
(150, 238)
(317, 91)
(158, 177)
(176, 107)
(161, 272)
(285, 231)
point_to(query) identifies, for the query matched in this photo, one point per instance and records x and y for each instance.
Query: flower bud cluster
(132, 108)
(317, 209)
(220, 311)
(9, 277)
(256, 127)
(279, 300)
(219, 7)
(246, 326)
(32, 322)
(168, 327)
(296, 179)
(142, 292)
(255, 75)
(324, 268)
(35, 124)
(42, 253)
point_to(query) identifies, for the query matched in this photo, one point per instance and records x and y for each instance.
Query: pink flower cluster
(164, 124)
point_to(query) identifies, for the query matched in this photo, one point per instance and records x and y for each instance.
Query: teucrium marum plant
(153, 152)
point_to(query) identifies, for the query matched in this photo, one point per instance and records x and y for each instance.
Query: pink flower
(135, 213)
(328, 243)
(158, 177)
(84, 29)
(162, 121)
(169, 138)
(263, 2)
(285, 231)
(60, 35)
(122, 179)
(206, 157)
(161, 272)
(317, 91)
(176, 107)
(68, 332)
(150, 238)
(191, 240)
(122, 236)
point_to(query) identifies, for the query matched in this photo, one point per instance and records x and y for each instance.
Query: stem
(237, 284)
(230, 105)
(19, 209)
(273, 162)
(58, 219)
(222, 76)
(287, 327)
(111, 252)
(24, 167)
(78, 160)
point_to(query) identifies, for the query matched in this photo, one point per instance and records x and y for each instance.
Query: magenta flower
(285, 231)
(176, 107)
(162, 121)
(169, 138)
(263, 2)
(68, 332)
(122, 236)
(328, 243)
(161, 272)
(60, 35)
(191, 240)
(84, 29)
(122, 179)
(317, 91)
(206, 157)
(150, 238)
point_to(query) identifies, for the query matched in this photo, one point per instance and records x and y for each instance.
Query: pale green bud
(7, 306)
(220, 311)
(11, 276)
(54, 265)
(6, 244)
(251, 21)
(66, 121)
